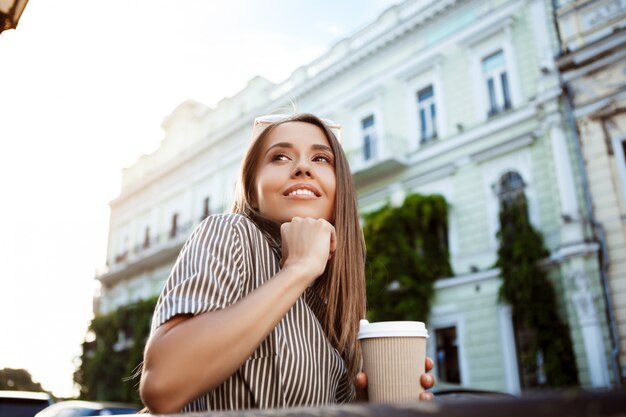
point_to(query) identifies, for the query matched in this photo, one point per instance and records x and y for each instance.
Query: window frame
(442, 322)
(369, 108)
(427, 75)
(498, 94)
(371, 133)
(427, 106)
(522, 163)
(483, 47)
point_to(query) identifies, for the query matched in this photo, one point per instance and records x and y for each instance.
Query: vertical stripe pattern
(393, 366)
(225, 258)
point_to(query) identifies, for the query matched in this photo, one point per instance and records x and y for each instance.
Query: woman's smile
(302, 191)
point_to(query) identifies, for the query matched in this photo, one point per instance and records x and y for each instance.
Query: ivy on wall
(543, 339)
(407, 251)
(109, 362)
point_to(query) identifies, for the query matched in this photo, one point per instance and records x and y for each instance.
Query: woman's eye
(322, 158)
(280, 157)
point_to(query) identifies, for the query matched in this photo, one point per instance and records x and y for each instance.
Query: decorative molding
(564, 253)
(432, 175)
(467, 279)
(366, 49)
(419, 65)
(584, 303)
(480, 132)
(614, 57)
(488, 30)
(505, 147)
(365, 96)
(599, 104)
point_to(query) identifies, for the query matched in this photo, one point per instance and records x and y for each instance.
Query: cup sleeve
(207, 275)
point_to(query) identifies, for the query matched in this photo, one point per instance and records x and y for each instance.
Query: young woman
(262, 307)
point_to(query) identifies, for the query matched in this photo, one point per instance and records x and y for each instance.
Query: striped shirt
(226, 257)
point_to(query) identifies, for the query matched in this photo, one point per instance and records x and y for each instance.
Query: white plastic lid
(392, 329)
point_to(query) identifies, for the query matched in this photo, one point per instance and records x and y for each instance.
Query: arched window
(510, 188)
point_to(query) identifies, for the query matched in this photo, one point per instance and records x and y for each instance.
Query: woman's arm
(190, 355)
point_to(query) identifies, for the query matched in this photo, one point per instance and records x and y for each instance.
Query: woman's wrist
(300, 273)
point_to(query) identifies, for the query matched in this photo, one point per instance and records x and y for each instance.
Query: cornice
(502, 148)
(215, 138)
(368, 48)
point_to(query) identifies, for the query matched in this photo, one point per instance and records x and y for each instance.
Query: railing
(385, 154)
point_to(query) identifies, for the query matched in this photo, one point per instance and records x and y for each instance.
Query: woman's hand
(427, 381)
(307, 243)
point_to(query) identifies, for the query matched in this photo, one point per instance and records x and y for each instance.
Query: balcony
(151, 253)
(383, 157)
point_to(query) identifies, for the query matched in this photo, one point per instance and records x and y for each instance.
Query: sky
(84, 87)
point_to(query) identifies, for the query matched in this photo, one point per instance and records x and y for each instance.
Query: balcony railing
(385, 156)
(160, 250)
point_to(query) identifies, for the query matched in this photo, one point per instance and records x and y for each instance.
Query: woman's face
(296, 174)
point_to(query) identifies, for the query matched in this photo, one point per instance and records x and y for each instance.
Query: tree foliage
(18, 380)
(107, 366)
(406, 252)
(526, 287)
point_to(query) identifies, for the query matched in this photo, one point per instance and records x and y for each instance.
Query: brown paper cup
(394, 354)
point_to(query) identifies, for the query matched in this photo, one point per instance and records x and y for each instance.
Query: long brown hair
(342, 285)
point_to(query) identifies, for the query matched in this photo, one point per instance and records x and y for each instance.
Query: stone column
(571, 230)
(591, 329)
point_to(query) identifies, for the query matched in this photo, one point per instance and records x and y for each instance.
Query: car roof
(94, 405)
(30, 395)
(91, 405)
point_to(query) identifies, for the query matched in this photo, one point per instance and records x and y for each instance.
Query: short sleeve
(208, 273)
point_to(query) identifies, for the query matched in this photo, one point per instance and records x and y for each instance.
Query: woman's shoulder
(236, 221)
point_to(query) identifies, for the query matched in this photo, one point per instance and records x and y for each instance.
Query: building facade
(593, 67)
(460, 98)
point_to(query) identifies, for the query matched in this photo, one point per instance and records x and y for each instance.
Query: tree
(543, 339)
(110, 363)
(406, 252)
(18, 380)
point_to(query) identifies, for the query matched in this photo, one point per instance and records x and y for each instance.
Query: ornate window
(510, 188)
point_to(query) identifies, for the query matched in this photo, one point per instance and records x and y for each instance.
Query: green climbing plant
(406, 252)
(541, 334)
(107, 367)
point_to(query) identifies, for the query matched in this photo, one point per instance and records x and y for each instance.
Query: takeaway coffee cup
(393, 359)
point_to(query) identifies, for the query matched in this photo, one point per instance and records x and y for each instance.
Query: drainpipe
(599, 236)
(597, 228)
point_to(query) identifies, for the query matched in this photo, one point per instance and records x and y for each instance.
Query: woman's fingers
(361, 386)
(333, 243)
(307, 242)
(427, 381)
(426, 396)
(361, 380)
(429, 364)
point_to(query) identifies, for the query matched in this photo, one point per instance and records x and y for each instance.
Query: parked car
(23, 403)
(75, 408)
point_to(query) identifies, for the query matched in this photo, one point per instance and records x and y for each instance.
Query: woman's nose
(302, 168)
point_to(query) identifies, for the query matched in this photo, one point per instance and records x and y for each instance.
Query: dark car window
(118, 411)
(21, 407)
